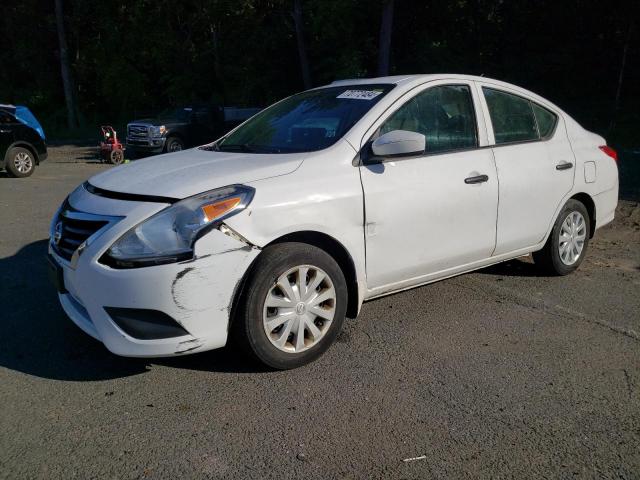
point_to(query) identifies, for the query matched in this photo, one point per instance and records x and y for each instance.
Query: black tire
(548, 260)
(116, 157)
(248, 329)
(173, 144)
(15, 162)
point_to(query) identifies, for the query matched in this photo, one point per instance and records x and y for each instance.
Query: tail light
(609, 152)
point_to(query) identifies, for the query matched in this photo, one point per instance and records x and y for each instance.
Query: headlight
(169, 235)
(158, 131)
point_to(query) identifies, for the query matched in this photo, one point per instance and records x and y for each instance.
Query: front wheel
(567, 244)
(174, 144)
(293, 307)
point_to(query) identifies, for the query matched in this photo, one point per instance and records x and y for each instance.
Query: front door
(435, 212)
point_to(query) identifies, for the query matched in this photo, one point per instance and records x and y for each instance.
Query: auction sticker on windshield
(360, 94)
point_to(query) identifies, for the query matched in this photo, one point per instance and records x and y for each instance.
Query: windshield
(305, 122)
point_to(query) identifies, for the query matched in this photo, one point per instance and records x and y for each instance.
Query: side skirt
(444, 274)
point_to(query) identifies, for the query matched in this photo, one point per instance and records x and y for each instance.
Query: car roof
(407, 82)
(417, 78)
(402, 79)
(8, 107)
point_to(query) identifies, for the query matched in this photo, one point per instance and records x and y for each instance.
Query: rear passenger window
(546, 120)
(511, 116)
(443, 114)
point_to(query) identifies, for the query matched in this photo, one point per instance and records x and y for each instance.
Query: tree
(302, 49)
(625, 48)
(384, 51)
(67, 80)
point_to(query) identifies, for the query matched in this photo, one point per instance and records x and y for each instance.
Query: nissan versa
(337, 195)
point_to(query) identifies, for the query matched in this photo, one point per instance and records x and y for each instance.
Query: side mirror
(398, 143)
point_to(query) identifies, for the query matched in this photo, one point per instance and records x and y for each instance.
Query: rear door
(535, 166)
(437, 211)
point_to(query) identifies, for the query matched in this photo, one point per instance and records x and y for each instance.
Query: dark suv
(22, 141)
(182, 128)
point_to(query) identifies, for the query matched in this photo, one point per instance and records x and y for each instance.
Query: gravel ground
(495, 374)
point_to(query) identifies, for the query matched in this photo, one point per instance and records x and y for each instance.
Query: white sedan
(278, 231)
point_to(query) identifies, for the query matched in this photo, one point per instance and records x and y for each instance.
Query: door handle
(564, 166)
(2, 130)
(476, 179)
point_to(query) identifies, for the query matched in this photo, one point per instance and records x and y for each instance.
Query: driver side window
(443, 114)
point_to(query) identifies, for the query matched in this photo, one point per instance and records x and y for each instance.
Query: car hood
(187, 173)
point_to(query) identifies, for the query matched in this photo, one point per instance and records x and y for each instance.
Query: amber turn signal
(217, 209)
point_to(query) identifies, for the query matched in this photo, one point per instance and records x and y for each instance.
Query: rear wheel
(567, 244)
(294, 306)
(20, 162)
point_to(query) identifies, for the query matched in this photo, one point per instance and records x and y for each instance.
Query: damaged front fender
(209, 280)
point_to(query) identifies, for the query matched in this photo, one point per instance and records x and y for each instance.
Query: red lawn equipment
(111, 150)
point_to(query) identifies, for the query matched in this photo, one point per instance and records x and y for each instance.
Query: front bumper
(197, 293)
(146, 144)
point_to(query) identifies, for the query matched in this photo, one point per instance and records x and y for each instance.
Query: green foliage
(141, 56)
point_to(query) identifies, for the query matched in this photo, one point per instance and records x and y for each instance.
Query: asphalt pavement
(496, 374)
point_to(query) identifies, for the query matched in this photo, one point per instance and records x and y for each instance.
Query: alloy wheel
(23, 162)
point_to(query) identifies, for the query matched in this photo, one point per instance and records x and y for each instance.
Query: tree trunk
(616, 103)
(384, 51)
(67, 80)
(217, 65)
(302, 49)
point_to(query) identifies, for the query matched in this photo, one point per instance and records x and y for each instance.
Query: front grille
(71, 230)
(138, 131)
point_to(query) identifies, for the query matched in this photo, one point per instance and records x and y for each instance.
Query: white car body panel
(403, 223)
(408, 205)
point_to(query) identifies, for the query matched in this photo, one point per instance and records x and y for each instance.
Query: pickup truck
(185, 127)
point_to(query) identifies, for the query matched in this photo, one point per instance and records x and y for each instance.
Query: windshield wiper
(225, 147)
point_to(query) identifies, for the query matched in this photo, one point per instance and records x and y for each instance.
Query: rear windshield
(309, 121)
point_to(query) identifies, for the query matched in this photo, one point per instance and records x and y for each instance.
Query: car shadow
(514, 268)
(37, 338)
(88, 155)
